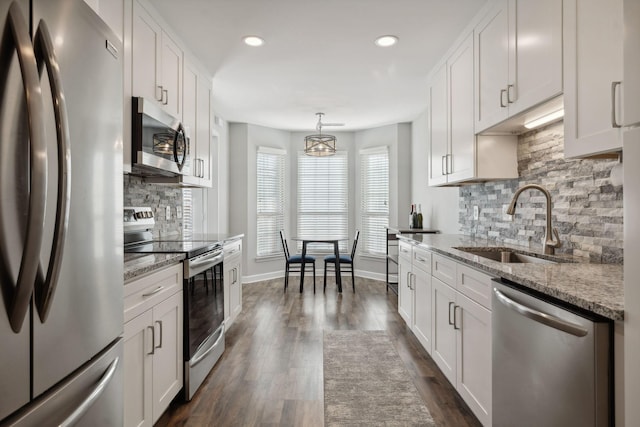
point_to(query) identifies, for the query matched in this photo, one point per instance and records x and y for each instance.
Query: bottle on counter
(411, 216)
(420, 226)
(414, 218)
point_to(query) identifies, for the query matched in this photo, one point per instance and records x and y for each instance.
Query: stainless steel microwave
(160, 143)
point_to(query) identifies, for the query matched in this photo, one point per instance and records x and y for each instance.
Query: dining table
(335, 242)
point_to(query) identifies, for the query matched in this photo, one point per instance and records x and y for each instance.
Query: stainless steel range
(203, 292)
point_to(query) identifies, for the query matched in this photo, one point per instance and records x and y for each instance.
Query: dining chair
(346, 260)
(294, 263)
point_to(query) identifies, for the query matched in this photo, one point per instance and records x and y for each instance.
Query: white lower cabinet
(448, 307)
(153, 347)
(232, 281)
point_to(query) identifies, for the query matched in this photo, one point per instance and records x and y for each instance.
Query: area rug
(366, 383)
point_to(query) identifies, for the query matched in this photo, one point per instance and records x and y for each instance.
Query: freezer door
(83, 312)
(14, 192)
(91, 397)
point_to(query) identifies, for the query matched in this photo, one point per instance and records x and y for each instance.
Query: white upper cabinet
(631, 73)
(593, 38)
(519, 59)
(157, 63)
(457, 154)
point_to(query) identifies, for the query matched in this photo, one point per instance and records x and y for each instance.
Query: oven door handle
(199, 264)
(197, 359)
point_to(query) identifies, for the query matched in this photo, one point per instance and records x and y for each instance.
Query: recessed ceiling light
(254, 41)
(386, 41)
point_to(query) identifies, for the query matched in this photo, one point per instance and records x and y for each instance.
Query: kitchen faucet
(550, 243)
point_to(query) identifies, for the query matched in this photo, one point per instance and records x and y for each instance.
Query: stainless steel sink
(506, 255)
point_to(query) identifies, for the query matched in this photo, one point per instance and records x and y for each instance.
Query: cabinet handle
(502, 93)
(443, 172)
(408, 280)
(509, 100)
(614, 122)
(159, 322)
(166, 99)
(202, 168)
(153, 340)
(161, 91)
(455, 318)
(449, 163)
(452, 322)
(155, 291)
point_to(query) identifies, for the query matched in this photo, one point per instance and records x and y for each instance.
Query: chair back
(284, 244)
(355, 243)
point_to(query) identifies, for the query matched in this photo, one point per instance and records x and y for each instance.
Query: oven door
(160, 144)
(204, 321)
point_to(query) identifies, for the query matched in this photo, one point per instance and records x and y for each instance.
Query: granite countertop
(139, 264)
(597, 288)
(136, 265)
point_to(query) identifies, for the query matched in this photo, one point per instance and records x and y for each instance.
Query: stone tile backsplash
(157, 196)
(587, 208)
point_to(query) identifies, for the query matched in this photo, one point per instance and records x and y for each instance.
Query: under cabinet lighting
(547, 118)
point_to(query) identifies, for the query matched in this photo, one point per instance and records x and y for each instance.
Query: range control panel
(138, 218)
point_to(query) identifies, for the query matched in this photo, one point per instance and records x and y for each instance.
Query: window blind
(374, 183)
(270, 200)
(323, 199)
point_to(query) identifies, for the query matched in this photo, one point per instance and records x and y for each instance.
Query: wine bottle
(414, 218)
(419, 216)
(411, 216)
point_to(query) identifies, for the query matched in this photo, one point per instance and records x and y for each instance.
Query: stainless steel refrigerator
(61, 269)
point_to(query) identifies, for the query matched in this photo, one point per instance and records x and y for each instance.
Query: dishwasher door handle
(538, 316)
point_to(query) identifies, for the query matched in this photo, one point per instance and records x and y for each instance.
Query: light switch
(168, 213)
(476, 213)
(178, 211)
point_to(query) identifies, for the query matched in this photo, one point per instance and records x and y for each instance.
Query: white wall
(439, 204)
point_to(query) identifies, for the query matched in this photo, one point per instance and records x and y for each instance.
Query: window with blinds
(374, 190)
(323, 199)
(270, 200)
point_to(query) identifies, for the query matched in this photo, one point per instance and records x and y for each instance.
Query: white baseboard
(280, 274)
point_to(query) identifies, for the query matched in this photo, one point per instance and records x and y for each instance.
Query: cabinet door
(422, 308)
(171, 57)
(474, 357)
(592, 62)
(492, 67)
(235, 289)
(438, 128)
(405, 293)
(137, 365)
(204, 131)
(145, 53)
(631, 86)
(168, 353)
(535, 54)
(462, 160)
(443, 342)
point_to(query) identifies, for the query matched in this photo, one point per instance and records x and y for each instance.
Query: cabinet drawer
(474, 284)
(404, 250)
(144, 293)
(232, 248)
(444, 269)
(422, 259)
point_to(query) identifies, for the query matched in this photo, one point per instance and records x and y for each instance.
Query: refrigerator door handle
(20, 295)
(93, 396)
(45, 57)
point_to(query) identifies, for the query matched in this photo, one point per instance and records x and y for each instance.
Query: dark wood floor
(271, 371)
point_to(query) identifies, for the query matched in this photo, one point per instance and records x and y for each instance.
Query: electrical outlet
(476, 213)
(179, 212)
(168, 213)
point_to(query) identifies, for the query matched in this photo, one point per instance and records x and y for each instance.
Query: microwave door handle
(45, 57)
(20, 295)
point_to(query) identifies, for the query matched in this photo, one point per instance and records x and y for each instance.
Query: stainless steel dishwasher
(551, 366)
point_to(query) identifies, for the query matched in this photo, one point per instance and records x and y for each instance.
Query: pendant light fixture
(320, 144)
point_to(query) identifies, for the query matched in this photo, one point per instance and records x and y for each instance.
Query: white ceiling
(319, 56)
